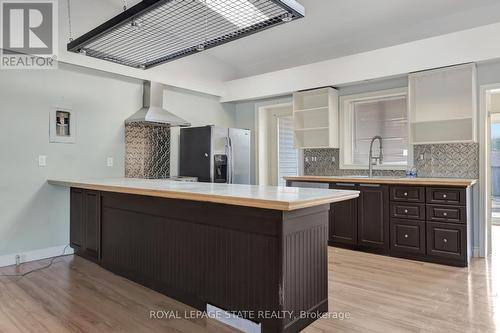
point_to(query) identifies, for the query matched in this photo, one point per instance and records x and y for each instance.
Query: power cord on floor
(37, 269)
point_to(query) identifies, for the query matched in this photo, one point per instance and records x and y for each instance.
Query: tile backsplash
(147, 150)
(325, 162)
(453, 160)
(456, 160)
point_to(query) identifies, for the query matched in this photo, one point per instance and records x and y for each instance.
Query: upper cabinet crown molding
(315, 116)
(443, 105)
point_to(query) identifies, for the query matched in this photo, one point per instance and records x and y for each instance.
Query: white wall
(35, 215)
(197, 108)
(472, 45)
(245, 117)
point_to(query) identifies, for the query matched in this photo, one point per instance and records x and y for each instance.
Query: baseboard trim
(49, 252)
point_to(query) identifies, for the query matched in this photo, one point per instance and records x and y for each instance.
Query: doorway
(495, 167)
(277, 156)
(489, 186)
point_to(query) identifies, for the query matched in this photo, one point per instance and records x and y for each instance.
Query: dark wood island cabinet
(262, 255)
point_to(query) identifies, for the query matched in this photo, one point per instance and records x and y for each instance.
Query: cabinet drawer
(446, 240)
(446, 196)
(407, 236)
(451, 214)
(408, 193)
(408, 211)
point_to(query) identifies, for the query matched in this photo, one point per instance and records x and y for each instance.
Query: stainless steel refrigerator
(215, 154)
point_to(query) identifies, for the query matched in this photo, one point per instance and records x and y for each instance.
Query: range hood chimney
(152, 110)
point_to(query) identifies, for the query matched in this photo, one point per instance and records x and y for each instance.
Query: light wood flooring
(382, 294)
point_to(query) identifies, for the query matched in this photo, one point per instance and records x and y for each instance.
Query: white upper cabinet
(315, 115)
(442, 105)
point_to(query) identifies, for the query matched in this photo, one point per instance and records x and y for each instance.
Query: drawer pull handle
(445, 214)
(406, 194)
(445, 240)
(444, 196)
(406, 211)
(406, 235)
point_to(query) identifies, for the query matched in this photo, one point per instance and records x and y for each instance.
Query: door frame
(494, 119)
(274, 144)
(261, 139)
(484, 225)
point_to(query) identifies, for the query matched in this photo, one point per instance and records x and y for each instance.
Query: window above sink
(363, 116)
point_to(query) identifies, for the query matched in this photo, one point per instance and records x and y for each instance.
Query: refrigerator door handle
(231, 163)
(229, 160)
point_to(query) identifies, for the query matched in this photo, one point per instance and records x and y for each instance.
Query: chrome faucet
(371, 158)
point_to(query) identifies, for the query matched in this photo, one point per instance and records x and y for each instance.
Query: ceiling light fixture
(239, 12)
(157, 31)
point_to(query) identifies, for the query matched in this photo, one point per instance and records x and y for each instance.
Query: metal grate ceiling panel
(157, 31)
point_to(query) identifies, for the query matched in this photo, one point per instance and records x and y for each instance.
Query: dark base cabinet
(425, 223)
(439, 215)
(236, 258)
(343, 224)
(373, 217)
(85, 220)
(361, 223)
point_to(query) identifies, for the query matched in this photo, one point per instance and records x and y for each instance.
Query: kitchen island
(257, 251)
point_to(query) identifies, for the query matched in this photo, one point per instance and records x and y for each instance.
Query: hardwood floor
(381, 294)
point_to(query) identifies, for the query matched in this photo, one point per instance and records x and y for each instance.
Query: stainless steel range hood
(152, 110)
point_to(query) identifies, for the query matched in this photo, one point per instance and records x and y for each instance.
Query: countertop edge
(393, 181)
(222, 199)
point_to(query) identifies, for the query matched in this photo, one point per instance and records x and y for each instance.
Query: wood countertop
(268, 197)
(387, 180)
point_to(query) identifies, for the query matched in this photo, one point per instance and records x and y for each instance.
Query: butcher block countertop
(268, 197)
(387, 180)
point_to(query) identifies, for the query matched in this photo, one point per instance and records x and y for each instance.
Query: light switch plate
(42, 160)
(110, 161)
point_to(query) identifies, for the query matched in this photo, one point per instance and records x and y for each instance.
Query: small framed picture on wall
(62, 125)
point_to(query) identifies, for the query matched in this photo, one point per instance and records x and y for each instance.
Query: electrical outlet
(42, 160)
(110, 161)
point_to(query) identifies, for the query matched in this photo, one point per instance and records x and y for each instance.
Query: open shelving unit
(315, 114)
(443, 105)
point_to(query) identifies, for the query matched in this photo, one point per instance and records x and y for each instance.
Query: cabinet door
(373, 216)
(443, 105)
(407, 236)
(446, 241)
(92, 218)
(76, 225)
(343, 223)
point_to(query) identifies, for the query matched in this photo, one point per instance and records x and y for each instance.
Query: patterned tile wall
(460, 160)
(454, 160)
(325, 162)
(147, 151)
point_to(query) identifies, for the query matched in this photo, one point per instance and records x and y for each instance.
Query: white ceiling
(331, 28)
